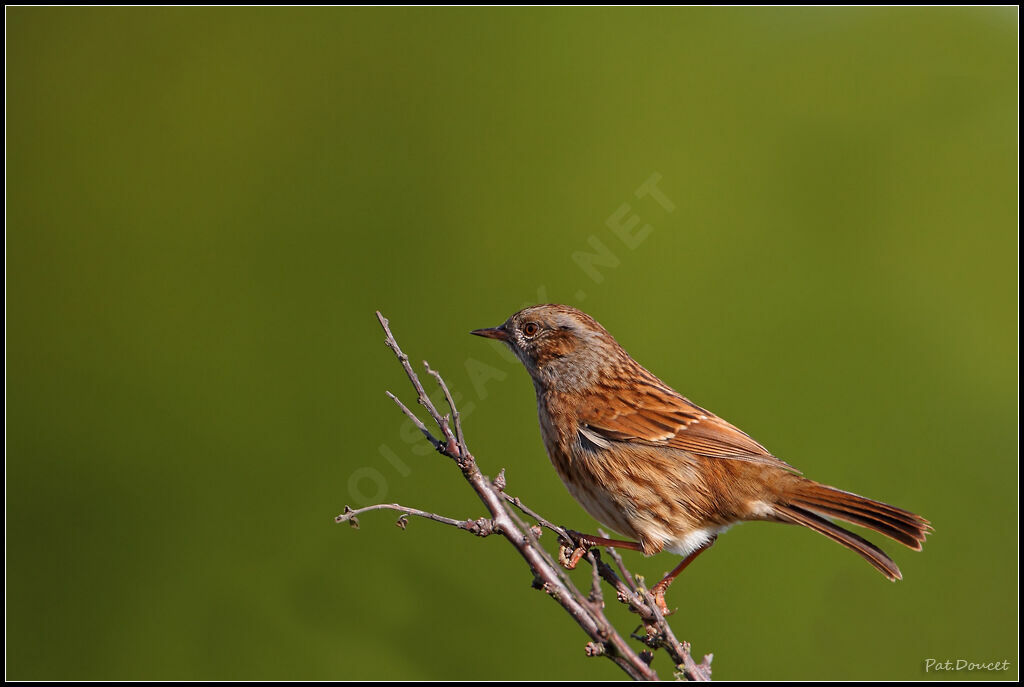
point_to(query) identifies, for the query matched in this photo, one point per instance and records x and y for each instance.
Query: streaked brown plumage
(651, 465)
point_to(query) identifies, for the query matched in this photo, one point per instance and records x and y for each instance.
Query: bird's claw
(568, 556)
(570, 552)
(659, 599)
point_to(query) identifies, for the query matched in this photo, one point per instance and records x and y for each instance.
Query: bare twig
(586, 610)
(451, 404)
(350, 514)
(517, 502)
(481, 527)
(416, 421)
(421, 395)
(618, 562)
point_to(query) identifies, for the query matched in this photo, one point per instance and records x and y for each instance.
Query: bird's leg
(577, 548)
(659, 589)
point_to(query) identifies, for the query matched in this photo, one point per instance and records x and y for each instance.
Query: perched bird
(649, 464)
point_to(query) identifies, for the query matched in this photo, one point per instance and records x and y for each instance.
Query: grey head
(561, 347)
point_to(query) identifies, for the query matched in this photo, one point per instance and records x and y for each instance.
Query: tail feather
(898, 524)
(871, 553)
(868, 520)
(820, 492)
(807, 501)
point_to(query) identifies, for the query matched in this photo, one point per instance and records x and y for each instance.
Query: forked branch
(504, 519)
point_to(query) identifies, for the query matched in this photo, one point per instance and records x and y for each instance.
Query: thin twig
(460, 438)
(618, 562)
(416, 421)
(596, 595)
(350, 514)
(518, 503)
(421, 395)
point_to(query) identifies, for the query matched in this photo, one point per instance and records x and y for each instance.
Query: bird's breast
(659, 495)
(586, 474)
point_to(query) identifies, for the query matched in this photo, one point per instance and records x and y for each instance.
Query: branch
(587, 610)
(480, 527)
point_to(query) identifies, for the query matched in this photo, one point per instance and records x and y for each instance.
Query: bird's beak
(499, 333)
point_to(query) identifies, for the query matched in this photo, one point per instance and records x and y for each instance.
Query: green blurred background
(206, 206)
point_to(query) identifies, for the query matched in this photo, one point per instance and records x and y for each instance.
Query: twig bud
(353, 521)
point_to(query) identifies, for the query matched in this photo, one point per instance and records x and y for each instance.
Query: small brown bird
(653, 466)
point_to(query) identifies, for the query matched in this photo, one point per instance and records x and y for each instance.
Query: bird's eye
(531, 328)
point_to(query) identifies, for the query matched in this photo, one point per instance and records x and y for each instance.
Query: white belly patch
(694, 540)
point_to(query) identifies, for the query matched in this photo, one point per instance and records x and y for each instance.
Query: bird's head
(561, 347)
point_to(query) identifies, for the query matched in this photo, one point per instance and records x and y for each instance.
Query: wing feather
(662, 417)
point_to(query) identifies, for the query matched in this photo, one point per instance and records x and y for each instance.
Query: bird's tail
(808, 501)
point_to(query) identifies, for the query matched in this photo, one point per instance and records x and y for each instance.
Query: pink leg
(659, 589)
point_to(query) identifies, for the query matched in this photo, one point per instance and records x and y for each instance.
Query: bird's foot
(658, 592)
(573, 549)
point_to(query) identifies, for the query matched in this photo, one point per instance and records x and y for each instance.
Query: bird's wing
(659, 416)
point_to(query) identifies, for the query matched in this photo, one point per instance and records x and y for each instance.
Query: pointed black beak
(499, 333)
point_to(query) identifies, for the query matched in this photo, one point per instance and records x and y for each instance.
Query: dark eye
(531, 328)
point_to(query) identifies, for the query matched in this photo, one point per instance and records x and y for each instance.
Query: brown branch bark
(586, 610)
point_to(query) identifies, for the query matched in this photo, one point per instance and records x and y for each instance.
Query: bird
(653, 466)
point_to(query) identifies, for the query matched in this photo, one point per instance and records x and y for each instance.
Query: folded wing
(658, 415)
